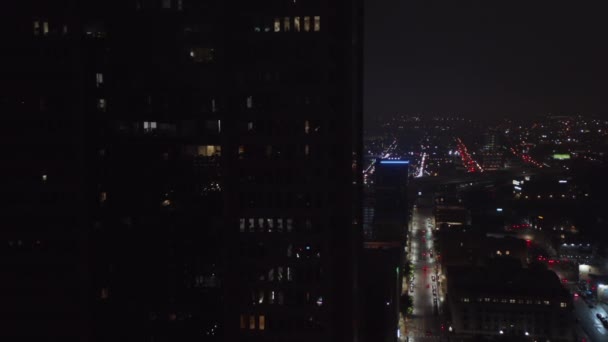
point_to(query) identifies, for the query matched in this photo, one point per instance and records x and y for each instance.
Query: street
(424, 324)
(588, 320)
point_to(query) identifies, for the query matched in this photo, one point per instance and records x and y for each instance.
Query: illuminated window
(466, 300)
(546, 302)
(101, 104)
(306, 127)
(44, 178)
(213, 107)
(317, 24)
(242, 225)
(249, 101)
(45, 28)
(277, 25)
(289, 274)
(512, 301)
(243, 321)
(251, 322)
(149, 126)
(289, 225)
(289, 254)
(271, 278)
(296, 24)
(262, 322)
(98, 79)
(287, 24)
(306, 150)
(507, 252)
(202, 55)
(241, 152)
(103, 196)
(251, 225)
(271, 297)
(563, 305)
(280, 273)
(36, 28)
(306, 24)
(487, 299)
(105, 293)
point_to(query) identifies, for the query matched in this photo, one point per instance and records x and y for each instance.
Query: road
(424, 324)
(588, 321)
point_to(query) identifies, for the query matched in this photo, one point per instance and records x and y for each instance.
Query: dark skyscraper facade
(43, 262)
(207, 182)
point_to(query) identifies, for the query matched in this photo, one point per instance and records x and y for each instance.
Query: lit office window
(213, 106)
(289, 274)
(103, 196)
(242, 225)
(249, 101)
(101, 105)
(306, 150)
(251, 322)
(45, 28)
(296, 24)
(98, 79)
(36, 28)
(64, 29)
(262, 322)
(277, 25)
(289, 225)
(44, 178)
(287, 24)
(563, 305)
(546, 302)
(306, 127)
(149, 126)
(289, 254)
(209, 150)
(306, 24)
(317, 23)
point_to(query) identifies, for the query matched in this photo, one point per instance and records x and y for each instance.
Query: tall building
(293, 171)
(42, 240)
(186, 170)
(492, 155)
(383, 256)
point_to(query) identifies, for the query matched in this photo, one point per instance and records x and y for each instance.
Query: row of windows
(253, 322)
(300, 24)
(267, 225)
(42, 28)
(278, 297)
(511, 301)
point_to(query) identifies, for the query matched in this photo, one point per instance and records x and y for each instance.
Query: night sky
(493, 58)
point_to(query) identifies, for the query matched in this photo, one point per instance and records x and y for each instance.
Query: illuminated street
(424, 325)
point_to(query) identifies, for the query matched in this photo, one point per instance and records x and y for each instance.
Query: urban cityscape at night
(303, 170)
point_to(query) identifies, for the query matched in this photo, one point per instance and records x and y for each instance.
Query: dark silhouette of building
(382, 262)
(510, 302)
(187, 170)
(43, 261)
